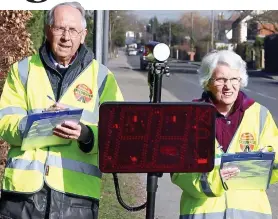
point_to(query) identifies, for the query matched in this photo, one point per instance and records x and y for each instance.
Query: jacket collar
(83, 57)
(243, 102)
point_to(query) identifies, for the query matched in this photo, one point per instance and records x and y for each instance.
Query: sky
(163, 15)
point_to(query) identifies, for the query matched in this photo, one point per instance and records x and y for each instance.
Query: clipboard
(255, 170)
(38, 132)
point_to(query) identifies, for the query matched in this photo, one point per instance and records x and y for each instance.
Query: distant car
(132, 52)
(146, 52)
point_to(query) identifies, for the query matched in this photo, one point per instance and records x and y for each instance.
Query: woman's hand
(228, 173)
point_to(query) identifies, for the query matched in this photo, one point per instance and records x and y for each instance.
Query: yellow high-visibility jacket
(63, 168)
(204, 196)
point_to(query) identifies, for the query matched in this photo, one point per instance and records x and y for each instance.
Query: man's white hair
(224, 57)
(77, 5)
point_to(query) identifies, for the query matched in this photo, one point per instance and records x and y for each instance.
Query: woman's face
(224, 84)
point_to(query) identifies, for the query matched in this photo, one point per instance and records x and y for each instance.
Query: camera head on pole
(157, 58)
(159, 52)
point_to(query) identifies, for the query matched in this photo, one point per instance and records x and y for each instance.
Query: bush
(222, 48)
(251, 53)
(240, 50)
(15, 44)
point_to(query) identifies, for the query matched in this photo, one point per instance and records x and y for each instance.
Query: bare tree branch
(268, 20)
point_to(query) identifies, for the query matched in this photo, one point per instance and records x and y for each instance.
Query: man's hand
(228, 173)
(56, 107)
(68, 130)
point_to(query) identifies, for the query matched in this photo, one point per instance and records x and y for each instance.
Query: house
(239, 27)
(247, 28)
(223, 26)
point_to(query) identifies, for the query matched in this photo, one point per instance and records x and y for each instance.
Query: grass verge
(132, 193)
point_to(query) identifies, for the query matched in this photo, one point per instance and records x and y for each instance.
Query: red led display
(156, 137)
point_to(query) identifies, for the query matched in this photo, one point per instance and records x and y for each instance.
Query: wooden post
(253, 55)
(191, 55)
(262, 59)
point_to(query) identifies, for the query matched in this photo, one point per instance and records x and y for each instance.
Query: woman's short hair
(77, 5)
(226, 57)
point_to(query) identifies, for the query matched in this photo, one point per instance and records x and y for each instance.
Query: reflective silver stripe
(263, 115)
(22, 164)
(23, 71)
(32, 111)
(217, 161)
(101, 79)
(229, 213)
(217, 215)
(205, 185)
(11, 110)
(73, 165)
(89, 117)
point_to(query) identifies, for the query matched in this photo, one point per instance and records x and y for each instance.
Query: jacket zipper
(59, 97)
(46, 166)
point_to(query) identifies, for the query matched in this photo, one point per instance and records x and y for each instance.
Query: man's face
(63, 42)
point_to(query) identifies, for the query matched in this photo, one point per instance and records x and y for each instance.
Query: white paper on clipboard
(39, 128)
(255, 170)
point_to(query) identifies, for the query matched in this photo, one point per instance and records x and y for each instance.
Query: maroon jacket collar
(243, 102)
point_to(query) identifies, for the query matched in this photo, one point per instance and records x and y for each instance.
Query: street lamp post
(170, 34)
(212, 30)
(111, 28)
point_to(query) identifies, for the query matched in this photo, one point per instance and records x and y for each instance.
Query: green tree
(119, 38)
(154, 26)
(89, 41)
(177, 33)
(118, 23)
(35, 27)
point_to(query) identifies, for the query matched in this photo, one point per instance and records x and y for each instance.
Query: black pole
(152, 178)
(157, 88)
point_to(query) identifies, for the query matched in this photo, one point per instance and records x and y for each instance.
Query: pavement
(183, 85)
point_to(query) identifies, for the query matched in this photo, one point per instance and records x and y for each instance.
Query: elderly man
(241, 125)
(61, 181)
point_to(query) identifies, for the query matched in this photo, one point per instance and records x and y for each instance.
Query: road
(183, 85)
(184, 79)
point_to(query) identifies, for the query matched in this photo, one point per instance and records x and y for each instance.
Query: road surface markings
(261, 94)
(264, 95)
(192, 82)
(245, 89)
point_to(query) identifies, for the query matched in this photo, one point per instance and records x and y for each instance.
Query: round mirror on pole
(161, 52)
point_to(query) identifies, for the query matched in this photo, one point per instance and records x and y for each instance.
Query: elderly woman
(242, 124)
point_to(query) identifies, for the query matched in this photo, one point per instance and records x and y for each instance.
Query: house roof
(242, 15)
(225, 24)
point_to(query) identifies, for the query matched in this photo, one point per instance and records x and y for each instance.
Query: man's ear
(83, 36)
(47, 31)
